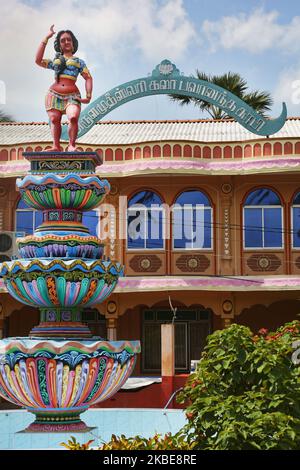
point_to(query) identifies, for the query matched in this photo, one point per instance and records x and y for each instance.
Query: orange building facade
(248, 268)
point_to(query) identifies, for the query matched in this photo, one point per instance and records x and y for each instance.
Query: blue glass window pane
(146, 198)
(202, 228)
(136, 244)
(24, 222)
(90, 219)
(297, 199)
(155, 229)
(193, 198)
(38, 218)
(197, 232)
(136, 229)
(22, 205)
(192, 228)
(253, 228)
(207, 228)
(262, 197)
(189, 227)
(296, 227)
(178, 229)
(272, 227)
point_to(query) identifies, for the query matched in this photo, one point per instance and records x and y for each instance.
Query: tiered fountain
(60, 369)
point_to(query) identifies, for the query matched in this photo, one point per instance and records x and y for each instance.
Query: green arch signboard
(167, 79)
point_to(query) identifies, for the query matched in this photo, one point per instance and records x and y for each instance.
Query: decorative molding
(199, 283)
(226, 188)
(227, 251)
(194, 166)
(263, 262)
(192, 263)
(3, 191)
(114, 190)
(145, 263)
(111, 307)
(227, 306)
(169, 149)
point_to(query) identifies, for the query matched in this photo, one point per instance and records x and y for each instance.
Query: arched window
(263, 220)
(27, 219)
(192, 221)
(296, 221)
(145, 222)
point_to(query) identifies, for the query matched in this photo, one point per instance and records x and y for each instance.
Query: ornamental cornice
(203, 283)
(153, 166)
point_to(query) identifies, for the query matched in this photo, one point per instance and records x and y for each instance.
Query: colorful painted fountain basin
(71, 191)
(58, 246)
(57, 380)
(60, 283)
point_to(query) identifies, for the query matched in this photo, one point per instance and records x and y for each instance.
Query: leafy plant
(245, 393)
(72, 444)
(157, 442)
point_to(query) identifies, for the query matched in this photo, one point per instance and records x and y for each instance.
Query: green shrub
(157, 442)
(245, 393)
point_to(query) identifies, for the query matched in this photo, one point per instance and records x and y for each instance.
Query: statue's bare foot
(55, 149)
(72, 148)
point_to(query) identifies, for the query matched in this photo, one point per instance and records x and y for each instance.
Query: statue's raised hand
(51, 32)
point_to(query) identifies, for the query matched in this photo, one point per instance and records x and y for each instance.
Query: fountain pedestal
(60, 369)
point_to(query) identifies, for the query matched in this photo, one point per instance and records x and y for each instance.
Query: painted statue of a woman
(63, 96)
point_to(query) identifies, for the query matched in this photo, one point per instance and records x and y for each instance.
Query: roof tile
(134, 132)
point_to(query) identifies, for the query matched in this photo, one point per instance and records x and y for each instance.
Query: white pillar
(167, 350)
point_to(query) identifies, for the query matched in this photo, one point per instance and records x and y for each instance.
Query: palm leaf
(5, 117)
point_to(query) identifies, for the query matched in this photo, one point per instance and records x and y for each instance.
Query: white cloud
(111, 33)
(167, 33)
(288, 89)
(255, 33)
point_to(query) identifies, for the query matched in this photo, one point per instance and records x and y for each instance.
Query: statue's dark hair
(59, 68)
(57, 39)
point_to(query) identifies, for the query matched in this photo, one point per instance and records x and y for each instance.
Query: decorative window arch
(262, 220)
(145, 222)
(296, 221)
(192, 221)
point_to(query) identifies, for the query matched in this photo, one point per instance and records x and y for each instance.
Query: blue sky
(122, 40)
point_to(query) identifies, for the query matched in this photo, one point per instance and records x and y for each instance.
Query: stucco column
(109, 224)
(228, 309)
(167, 350)
(111, 324)
(167, 363)
(111, 316)
(226, 264)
